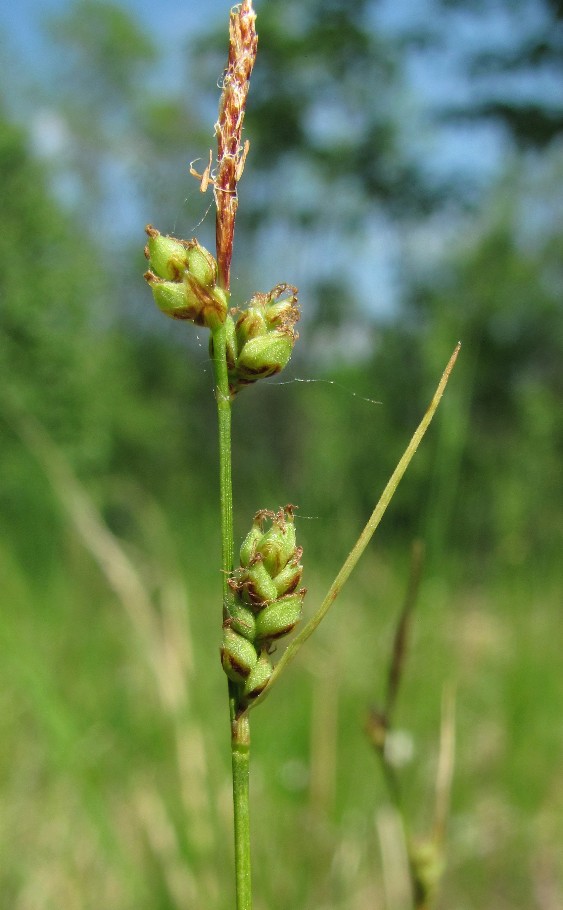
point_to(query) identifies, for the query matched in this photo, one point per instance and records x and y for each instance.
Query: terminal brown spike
(231, 152)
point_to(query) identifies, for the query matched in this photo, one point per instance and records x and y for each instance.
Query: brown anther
(205, 179)
(242, 160)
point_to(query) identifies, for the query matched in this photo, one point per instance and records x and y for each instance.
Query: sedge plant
(262, 597)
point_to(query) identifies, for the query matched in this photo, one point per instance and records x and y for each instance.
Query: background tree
(516, 72)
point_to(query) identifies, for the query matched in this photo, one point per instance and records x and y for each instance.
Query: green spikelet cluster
(183, 277)
(267, 600)
(183, 280)
(260, 337)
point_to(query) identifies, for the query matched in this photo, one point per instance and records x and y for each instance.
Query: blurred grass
(115, 777)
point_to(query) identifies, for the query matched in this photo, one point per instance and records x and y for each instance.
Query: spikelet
(267, 602)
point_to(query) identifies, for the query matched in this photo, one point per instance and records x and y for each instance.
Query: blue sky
(170, 23)
(168, 19)
(433, 78)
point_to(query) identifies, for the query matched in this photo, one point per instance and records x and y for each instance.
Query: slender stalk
(240, 755)
(223, 399)
(240, 730)
(402, 632)
(231, 155)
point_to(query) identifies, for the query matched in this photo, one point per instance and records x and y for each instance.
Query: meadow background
(406, 172)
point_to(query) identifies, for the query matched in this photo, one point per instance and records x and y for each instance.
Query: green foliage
(103, 38)
(503, 298)
(47, 277)
(532, 118)
(93, 803)
(53, 351)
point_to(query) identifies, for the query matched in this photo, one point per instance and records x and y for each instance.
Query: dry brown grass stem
(163, 635)
(400, 643)
(395, 861)
(324, 732)
(162, 839)
(446, 761)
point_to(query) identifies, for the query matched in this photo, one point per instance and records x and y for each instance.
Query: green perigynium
(202, 266)
(267, 604)
(243, 620)
(238, 655)
(277, 544)
(255, 584)
(169, 297)
(265, 335)
(168, 256)
(279, 618)
(263, 357)
(258, 678)
(287, 580)
(250, 542)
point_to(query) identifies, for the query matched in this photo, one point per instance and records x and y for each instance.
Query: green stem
(240, 731)
(240, 752)
(223, 397)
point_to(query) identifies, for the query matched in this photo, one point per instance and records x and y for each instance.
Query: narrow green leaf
(366, 534)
